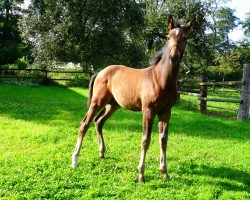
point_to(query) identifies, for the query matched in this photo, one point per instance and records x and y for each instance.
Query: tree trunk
(243, 112)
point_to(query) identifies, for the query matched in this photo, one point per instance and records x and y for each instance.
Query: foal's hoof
(166, 177)
(141, 179)
(101, 154)
(74, 165)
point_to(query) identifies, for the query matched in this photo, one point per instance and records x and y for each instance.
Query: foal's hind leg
(99, 120)
(84, 125)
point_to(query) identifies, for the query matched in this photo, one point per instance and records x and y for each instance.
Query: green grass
(208, 157)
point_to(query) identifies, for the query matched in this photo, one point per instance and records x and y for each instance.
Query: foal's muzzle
(174, 59)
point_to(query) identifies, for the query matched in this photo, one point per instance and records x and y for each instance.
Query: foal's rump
(124, 84)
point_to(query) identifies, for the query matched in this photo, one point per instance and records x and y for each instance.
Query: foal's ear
(190, 24)
(171, 23)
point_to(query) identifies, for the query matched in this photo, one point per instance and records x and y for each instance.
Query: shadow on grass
(184, 122)
(224, 177)
(196, 124)
(42, 104)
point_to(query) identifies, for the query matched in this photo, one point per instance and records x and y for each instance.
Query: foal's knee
(145, 142)
(83, 127)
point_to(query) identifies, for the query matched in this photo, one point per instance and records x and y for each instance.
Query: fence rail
(44, 76)
(189, 93)
(225, 83)
(229, 100)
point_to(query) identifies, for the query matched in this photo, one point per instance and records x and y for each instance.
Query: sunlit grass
(208, 157)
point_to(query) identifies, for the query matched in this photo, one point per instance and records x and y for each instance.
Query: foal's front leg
(148, 118)
(163, 139)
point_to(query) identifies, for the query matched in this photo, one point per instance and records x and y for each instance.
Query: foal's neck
(167, 73)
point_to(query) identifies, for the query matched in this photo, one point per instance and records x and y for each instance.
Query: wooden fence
(42, 76)
(45, 76)
(202, 92)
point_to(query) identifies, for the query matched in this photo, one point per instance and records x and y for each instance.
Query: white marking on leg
(141, 163)
(75, 157)
(141, 166)
(74, 161)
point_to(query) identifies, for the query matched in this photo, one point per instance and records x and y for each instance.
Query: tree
(222, 21)
(116, 31)
(11, 45)
(226, 22)
(228, 64)
(89, 32)
(246, 25)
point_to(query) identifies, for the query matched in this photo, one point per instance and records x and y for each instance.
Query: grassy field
(208, 157)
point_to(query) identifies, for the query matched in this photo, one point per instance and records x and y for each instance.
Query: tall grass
(208, 157)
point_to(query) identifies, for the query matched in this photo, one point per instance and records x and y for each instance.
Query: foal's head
(177, 39)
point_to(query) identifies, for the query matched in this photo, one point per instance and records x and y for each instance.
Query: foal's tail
(91, 84)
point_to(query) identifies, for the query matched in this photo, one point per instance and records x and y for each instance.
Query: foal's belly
(125, 100)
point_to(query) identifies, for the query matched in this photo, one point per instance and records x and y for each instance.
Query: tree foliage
(226, 57)
(246, 25)
(105, 32)
(227, 64)
(224, 21)
(90, 32)
(11, 45)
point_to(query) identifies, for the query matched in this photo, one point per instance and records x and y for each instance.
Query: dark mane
(159, 55)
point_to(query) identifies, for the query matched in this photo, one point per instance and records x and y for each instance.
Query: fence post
(243, 111)
(45, 80)
(203, 92)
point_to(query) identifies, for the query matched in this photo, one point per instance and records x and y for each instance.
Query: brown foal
(151, 90)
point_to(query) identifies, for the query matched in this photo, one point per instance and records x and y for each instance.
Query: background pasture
(208, 157)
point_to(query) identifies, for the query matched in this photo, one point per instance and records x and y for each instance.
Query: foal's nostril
(174, 59)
